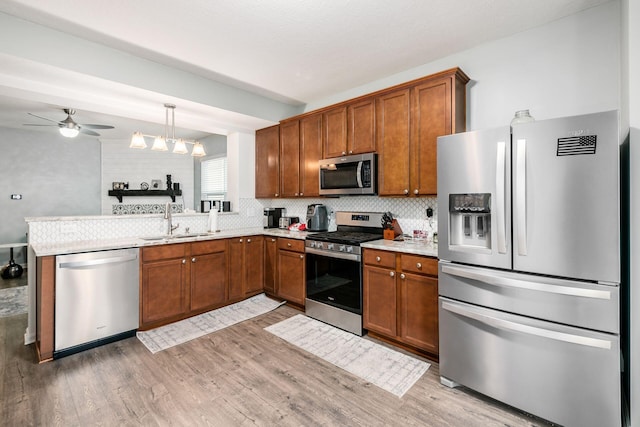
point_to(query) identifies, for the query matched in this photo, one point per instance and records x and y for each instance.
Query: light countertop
(62, 248)
(425, 249)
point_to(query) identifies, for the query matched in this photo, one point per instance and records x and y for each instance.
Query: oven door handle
(340, 255)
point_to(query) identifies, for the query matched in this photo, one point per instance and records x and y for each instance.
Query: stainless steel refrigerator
(529, 272)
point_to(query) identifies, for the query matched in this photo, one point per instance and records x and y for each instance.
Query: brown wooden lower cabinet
(291, 270)
(270, 264)
(209, 275)
(246, 269)
(400, 298)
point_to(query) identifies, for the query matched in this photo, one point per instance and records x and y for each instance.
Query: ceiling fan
(68, 127)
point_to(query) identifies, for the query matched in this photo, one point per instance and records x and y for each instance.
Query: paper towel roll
(213, 220)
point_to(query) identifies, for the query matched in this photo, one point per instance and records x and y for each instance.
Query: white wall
(123, 164)
(55, 176)
(568, 67)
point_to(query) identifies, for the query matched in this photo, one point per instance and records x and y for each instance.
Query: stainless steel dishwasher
(96, 299)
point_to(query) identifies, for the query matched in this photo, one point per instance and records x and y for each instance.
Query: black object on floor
(13, 270)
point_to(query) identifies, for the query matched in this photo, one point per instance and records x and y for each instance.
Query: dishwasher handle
(98, 261)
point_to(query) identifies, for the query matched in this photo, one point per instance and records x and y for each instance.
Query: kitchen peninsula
(230, 254)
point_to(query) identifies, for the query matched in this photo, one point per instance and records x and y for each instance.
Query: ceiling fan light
(198, 150)
(159, 144)
(69, 132)
(180, 147)
(137, 141)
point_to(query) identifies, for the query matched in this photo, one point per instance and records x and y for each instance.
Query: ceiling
(294, 52)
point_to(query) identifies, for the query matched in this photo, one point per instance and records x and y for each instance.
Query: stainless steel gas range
(334, 270)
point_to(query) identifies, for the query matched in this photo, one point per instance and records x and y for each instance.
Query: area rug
(388, 369)
(13, 301)
(180, 332)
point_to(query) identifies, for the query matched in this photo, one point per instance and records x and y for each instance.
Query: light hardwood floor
(240, 376)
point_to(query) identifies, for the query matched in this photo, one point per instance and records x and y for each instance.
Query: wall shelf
(145, 193)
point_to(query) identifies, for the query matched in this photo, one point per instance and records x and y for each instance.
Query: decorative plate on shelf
(144, 186)
(155, 184)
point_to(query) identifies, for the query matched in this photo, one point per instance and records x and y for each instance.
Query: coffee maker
(317, 217)
(272, 216)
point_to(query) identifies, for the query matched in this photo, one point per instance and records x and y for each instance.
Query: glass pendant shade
(69, 132)
(137, 141)
(198, 150)
(159, 144)
(180, 147)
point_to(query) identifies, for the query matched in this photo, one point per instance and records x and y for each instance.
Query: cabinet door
(335, 132)
(270, 263)
(310, 154)
(361, 127)
(268, 162)
(208, 280)
(163, 290)
(236, 265)
(431, 118)
(393, 134)
(253, 265)
(379, 300)
(290, 158)
(419, 311)
(291, 276)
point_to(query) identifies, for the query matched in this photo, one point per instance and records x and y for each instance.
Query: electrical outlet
(16, 197)
(429, 212)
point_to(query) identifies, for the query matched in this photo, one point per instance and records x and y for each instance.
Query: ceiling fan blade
(43, 118)
(96, 126)
(89, 132)
(33, 124)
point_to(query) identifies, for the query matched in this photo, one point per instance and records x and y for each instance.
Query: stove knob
(330, 246)
(341, 248)
(312, 244)
(319, 245)
(350, 249)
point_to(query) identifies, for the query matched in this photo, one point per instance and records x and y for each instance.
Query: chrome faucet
(167, 216)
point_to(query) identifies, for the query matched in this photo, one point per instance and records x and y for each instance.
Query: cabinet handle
(273, 240)
(402, 276)
(301, 194)
(248, 240)
(416, 192)
(193, 260)
(378, 259)
(288, 245)
(344, 152)
(184, 261)
(276, 194)
(350, 151)
(296, 194)
(301, 256)
(240, 240)
(392, 273)
(418, 264)
(406, 191)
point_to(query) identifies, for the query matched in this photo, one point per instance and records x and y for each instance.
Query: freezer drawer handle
(500, 202)
(526, 329)
(524, 284)
(100, 261)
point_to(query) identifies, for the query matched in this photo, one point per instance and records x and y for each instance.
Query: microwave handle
(359, 174)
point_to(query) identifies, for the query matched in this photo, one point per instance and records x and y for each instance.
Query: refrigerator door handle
(490, 279)
(521, 196)
(500, 197)
(526, 329)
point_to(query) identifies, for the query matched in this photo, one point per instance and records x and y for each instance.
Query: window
(213, 179)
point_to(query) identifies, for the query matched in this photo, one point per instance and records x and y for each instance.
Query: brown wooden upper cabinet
(300, 150)
(268, 162)
(408, 123)
(350, 129)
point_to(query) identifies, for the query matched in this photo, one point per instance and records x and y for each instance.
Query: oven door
(334, 281)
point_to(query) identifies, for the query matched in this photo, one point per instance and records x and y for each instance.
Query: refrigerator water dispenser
(470, 220)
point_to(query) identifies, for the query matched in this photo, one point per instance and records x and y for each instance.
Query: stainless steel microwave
(349, 175)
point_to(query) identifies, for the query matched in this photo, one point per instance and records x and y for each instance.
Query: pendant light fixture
(160, 142)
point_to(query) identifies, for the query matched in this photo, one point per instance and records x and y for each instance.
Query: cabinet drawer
(419, 264)
(156, 253)
(380, 258)
(291, 244)
(208, 247)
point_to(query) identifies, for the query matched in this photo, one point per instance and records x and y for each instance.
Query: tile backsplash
(410, 212)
